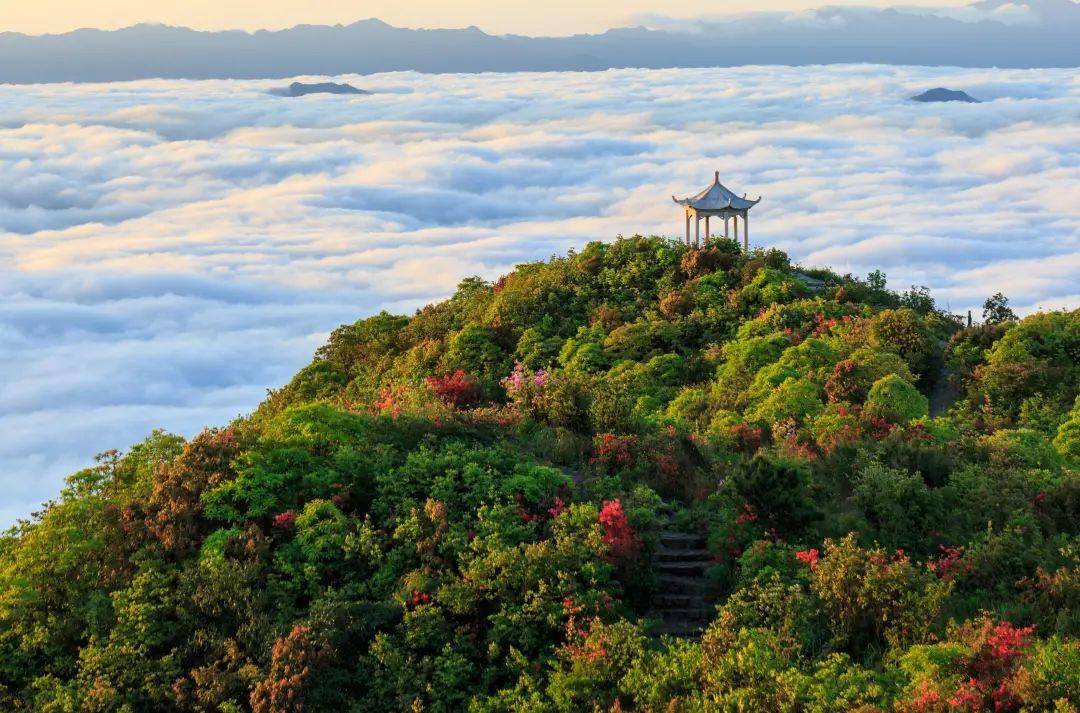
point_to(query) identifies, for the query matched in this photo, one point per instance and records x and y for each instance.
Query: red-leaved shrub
(619, 537)
(613, 452)
(285, 520)
(293, 663)
(458, 389)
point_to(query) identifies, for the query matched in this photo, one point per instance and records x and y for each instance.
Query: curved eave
(689, 203)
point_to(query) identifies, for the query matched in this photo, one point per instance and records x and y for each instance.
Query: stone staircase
(812, 283)
(684, 603)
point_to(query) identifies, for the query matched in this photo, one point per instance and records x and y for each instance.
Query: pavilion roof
(717, 197)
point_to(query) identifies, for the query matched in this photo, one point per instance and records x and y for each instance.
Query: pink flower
(558, 508)
(515, 382)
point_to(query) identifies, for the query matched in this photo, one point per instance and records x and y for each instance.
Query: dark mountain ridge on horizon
(1042, 35)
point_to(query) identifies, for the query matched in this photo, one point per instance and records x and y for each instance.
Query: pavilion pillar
(687, 228)
(746, 233)
(726, 219)
(697, 230)
(735, 224)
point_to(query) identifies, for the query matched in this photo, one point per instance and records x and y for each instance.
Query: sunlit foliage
(460, 510)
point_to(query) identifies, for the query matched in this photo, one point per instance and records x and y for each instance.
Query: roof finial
(716, 177)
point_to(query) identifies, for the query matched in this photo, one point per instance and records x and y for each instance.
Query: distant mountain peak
(371, 22)
(941, 94)
(302, 89)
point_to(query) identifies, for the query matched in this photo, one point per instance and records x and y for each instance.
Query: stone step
(666, 600)
(689, 567)
(676, 584)
(668, 554)
(682, 540)
(690, 613)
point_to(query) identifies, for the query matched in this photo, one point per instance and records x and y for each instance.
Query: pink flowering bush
(527, 389)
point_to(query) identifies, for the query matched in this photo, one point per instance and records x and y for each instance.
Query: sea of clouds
(171, 249)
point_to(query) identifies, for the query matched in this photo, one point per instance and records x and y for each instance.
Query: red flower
(389, 400)
(879, 428)
(968, 697)
(619, 537)
(808, 557)
(614, 451)
(747, 515)
(950, 564)
(419, 599)
(458, 389)
(748, 437)
(285, 520)
(927, 699)
(1006, 641)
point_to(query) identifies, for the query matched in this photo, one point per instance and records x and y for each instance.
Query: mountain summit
(300, 89)
(941, 94)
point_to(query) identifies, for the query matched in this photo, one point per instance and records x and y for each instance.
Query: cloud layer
(168, 249)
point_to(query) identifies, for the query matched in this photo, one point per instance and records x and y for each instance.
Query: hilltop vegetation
(457, 510)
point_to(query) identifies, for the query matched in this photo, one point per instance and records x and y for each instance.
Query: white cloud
(169, 249)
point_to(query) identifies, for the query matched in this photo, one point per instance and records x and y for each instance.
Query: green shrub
(777, 491)
(904, 332)
(1067, 440)
(665, 678)
(895, 400)
(874, 598)
(797, 399)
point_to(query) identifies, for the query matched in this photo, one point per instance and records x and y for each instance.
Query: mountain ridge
(1035, 34)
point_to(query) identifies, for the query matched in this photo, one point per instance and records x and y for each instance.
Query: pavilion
(716, 200)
